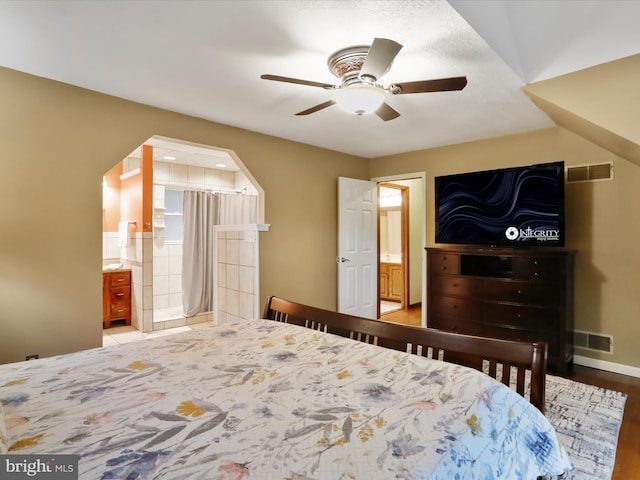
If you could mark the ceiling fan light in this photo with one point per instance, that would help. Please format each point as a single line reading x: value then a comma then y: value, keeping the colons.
x: 360, y: 99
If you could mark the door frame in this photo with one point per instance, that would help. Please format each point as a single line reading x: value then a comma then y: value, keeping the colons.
x: 423, y: 229
x: 404, y: 242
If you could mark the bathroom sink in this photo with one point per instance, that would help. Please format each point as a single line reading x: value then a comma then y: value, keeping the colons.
x: 112, y: 266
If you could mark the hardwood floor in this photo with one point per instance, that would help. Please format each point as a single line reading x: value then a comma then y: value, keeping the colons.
x: 627, y: 464
x: 412, y: 316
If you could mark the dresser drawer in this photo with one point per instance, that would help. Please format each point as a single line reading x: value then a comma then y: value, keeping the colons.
x: 457, y: 307
x: 118, y: 310
x: 120, y: 294
x: 527, y: 318
x: 523, y: 336
x: 455, y: 325
x: 120, y: 278
x: 539, y: 268
x: 462, y: 286
x: 542, y: 293
x: 444, y: 263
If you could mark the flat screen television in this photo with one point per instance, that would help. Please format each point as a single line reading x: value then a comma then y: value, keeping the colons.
x: 517, y: 207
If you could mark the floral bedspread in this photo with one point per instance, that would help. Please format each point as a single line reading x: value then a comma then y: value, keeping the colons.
x: 266, y: 400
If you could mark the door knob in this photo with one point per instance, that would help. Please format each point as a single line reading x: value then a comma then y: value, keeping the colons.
x: 340, y: 259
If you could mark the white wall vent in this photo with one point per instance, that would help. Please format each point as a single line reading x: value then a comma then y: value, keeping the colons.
x: 593, y: 341
x: 590, y: 173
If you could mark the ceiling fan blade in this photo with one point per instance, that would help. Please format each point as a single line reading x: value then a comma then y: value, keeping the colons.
x: 386, y: 113
x: 379, y: 59
x: 437, y: 85
x: 320, y: 106
x: 278, y: 78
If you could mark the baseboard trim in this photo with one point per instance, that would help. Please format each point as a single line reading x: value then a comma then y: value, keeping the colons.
x: 608, y: 366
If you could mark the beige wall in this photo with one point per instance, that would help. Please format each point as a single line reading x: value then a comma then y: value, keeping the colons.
x: 57, y: 143
x: 59, y: 140
x: 601, y: 224
x: 598, y: 103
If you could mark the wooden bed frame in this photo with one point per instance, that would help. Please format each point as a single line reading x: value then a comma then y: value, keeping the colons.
x: 475, y: 352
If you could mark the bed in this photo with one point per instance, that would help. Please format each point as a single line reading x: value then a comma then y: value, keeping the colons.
x: 283, y: 399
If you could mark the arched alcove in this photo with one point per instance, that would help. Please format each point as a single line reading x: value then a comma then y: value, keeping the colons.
x: 144, y: 192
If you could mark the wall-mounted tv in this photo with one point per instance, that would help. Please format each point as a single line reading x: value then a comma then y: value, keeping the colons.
x: 517, y: 207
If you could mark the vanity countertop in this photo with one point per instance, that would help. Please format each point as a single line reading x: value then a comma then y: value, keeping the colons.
x: 389, y: 258
x: 115, y: 268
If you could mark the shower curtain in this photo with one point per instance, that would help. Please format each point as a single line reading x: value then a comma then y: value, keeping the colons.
x: 201, y: 211
x: 236, y: 208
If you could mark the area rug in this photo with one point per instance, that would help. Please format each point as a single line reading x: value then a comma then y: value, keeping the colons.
x: 587, y: 420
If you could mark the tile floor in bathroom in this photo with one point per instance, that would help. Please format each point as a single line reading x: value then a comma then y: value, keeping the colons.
x: 386, y: 306
x: 125, y: 334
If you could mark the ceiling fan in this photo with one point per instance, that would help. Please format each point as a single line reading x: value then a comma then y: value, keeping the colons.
x: 359, y: 70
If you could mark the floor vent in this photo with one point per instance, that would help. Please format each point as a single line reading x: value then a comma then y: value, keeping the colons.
x: 593, y: 341
x: 590, y: 173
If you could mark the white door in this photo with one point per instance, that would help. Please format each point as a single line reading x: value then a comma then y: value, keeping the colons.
x: 357, y: 247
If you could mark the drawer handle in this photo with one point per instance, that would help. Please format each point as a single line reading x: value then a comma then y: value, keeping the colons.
x: 535, y: 274
x: 444, y: 268
x: 519, y: 292
x: 455, y: 285
x: 120, y: 294
x: 454, y: 306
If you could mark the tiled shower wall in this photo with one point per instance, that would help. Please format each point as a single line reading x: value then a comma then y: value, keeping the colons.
x: 167, y: 266
x: 167, y: 256
x: 237, y: 280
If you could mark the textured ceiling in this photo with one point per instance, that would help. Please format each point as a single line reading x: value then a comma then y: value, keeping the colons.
x: 205, y: 58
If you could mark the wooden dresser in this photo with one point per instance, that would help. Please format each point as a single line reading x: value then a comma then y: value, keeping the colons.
x: 116, y: 297
x: 513, y: 294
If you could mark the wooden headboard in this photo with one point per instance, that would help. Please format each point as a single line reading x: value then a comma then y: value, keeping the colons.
x: 485, y: 354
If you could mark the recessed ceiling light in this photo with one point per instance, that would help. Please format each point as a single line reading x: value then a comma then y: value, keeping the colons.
x: 169, y: 157
x: 221, y: 165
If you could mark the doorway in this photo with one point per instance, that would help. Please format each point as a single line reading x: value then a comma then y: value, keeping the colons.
x: 416, y: 231
x: 393, y: 242
x: 154, y: 256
